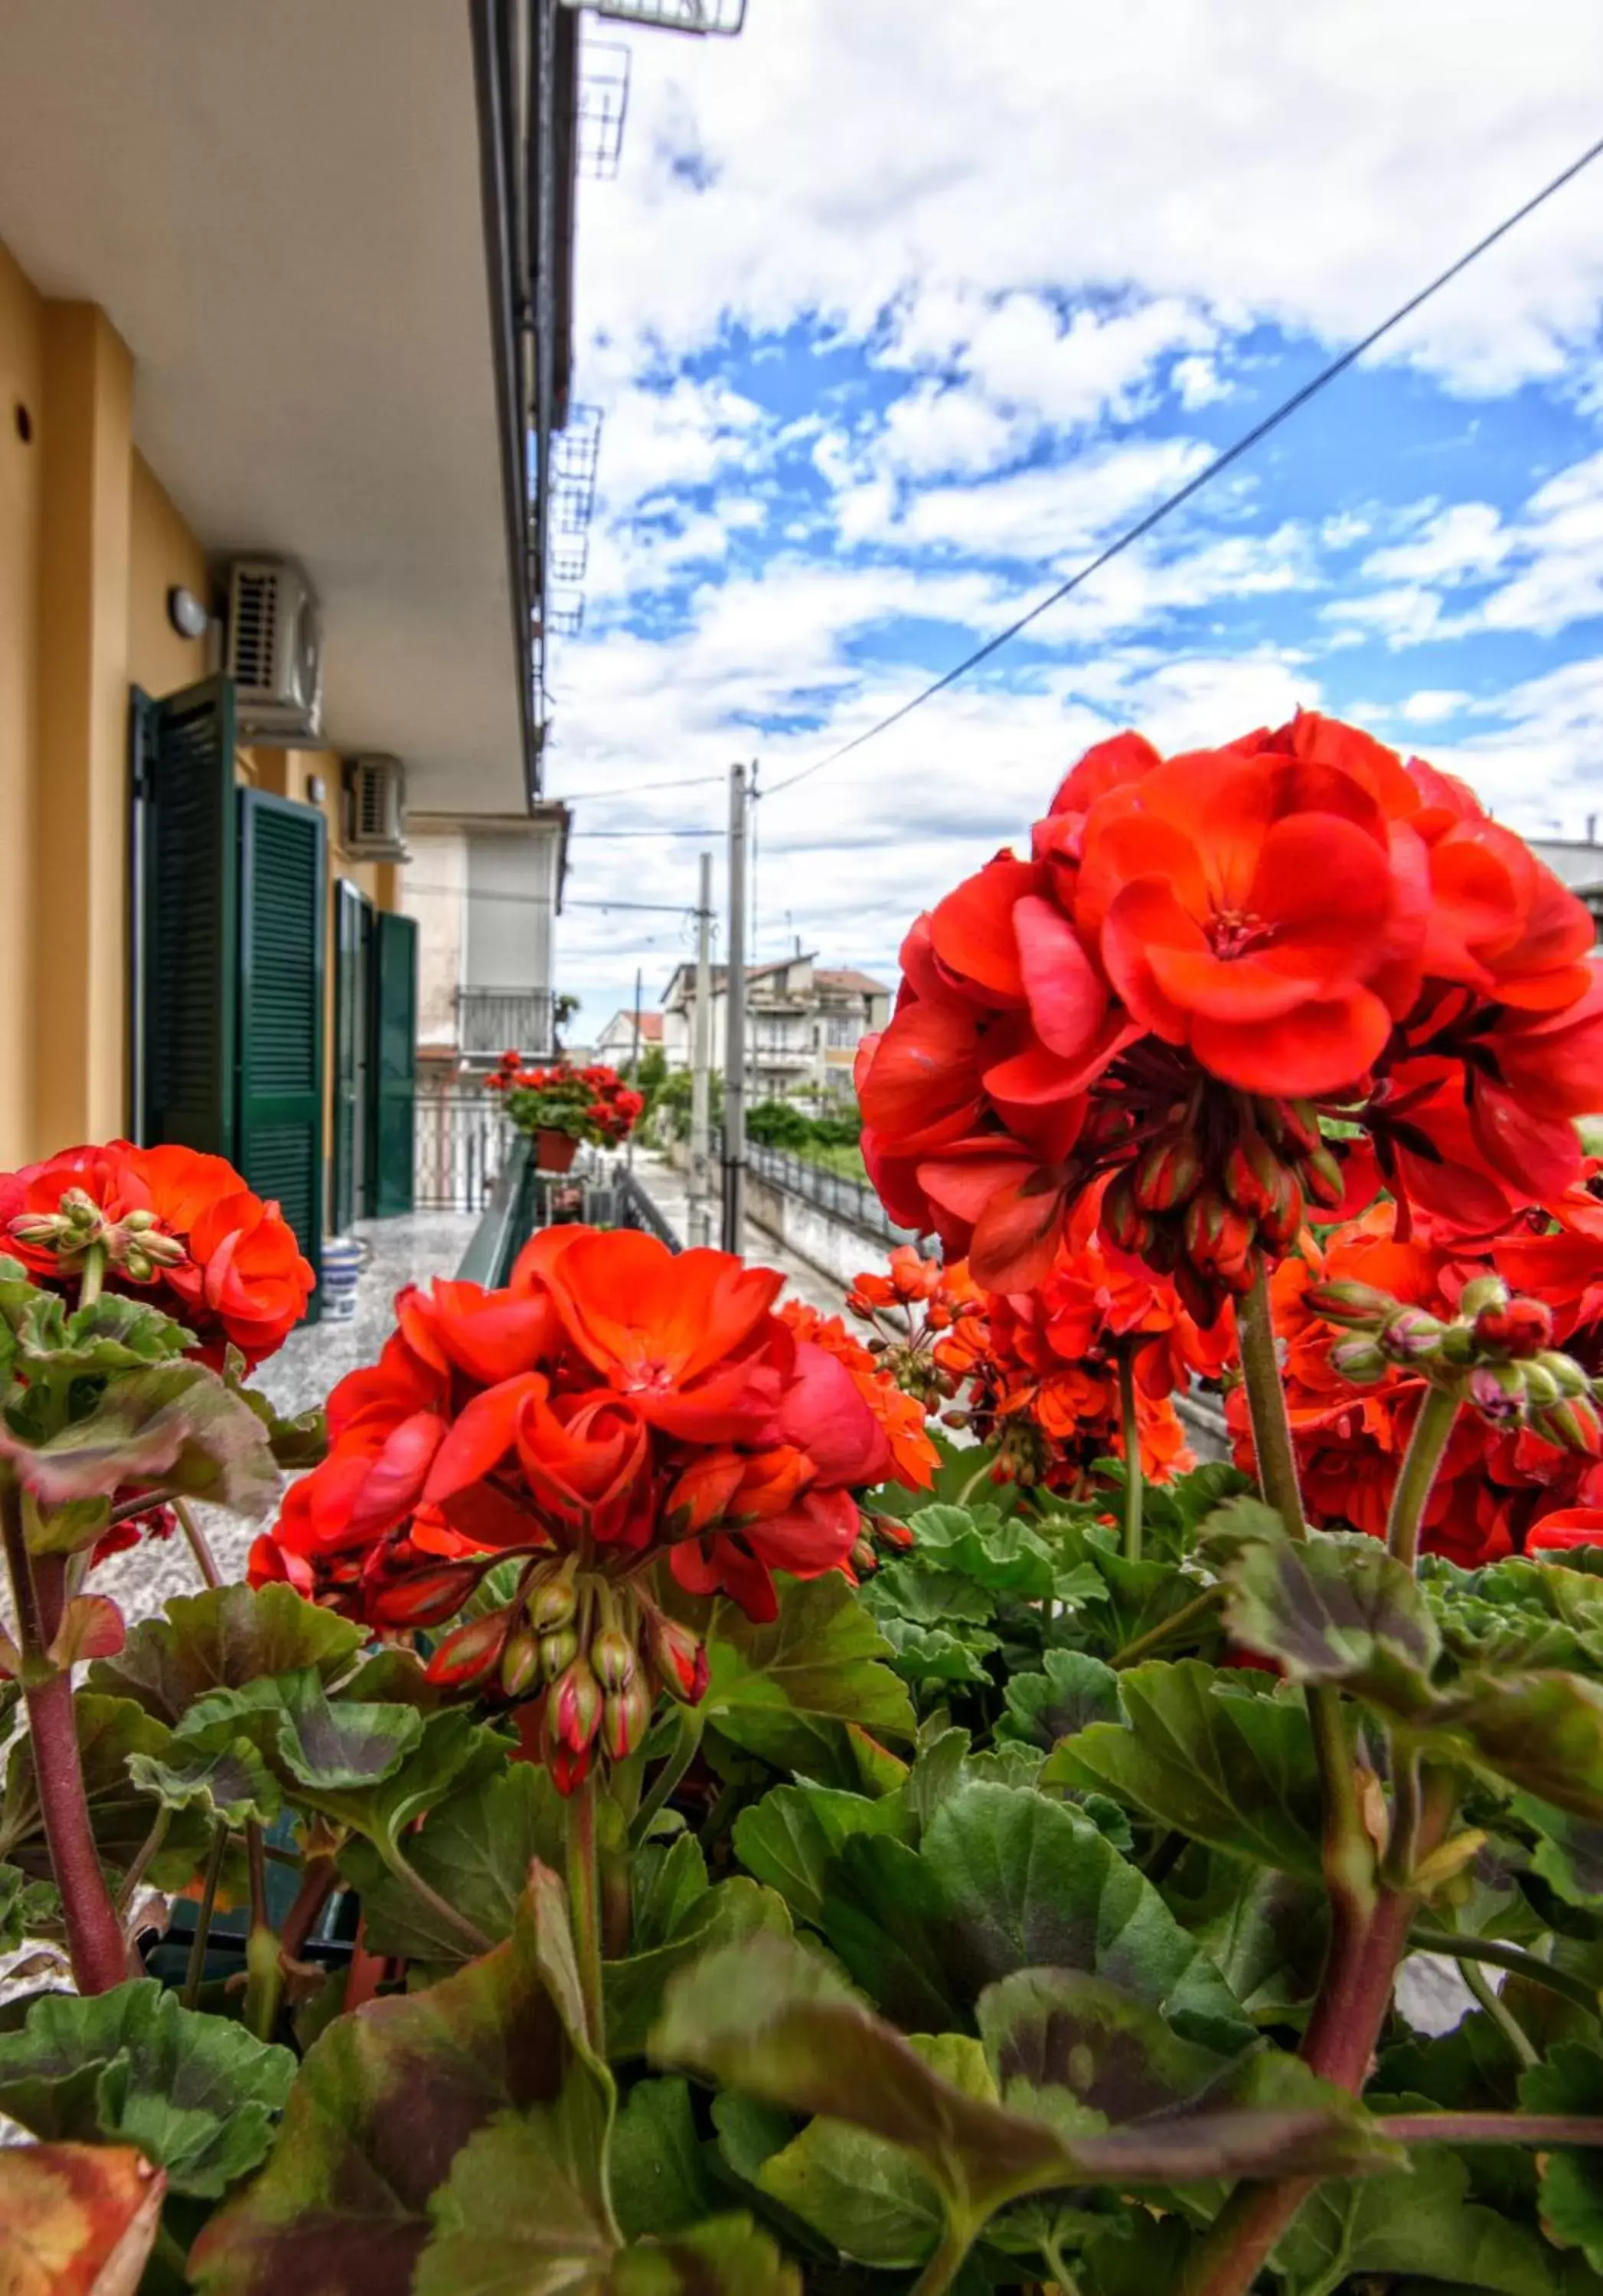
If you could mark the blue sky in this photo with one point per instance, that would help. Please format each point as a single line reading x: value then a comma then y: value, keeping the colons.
x: 898, y: 313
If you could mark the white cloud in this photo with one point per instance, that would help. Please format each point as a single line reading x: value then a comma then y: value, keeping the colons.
x: 1466, y: 544
x: 1431, y: 704
x: 1199, y: 382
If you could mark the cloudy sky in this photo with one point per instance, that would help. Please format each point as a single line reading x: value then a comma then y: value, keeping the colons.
x: 900, y: 309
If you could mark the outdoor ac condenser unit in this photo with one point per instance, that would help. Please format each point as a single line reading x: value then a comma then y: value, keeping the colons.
x: 275, y: 651
x: 376, y: 817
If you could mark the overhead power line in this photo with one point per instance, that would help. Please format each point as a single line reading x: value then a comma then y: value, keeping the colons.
x: 1232, y: 453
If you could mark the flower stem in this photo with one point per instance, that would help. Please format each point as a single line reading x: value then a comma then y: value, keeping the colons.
x: 1266, y: 1407
x: 1528, y: 1965
x: 1508, y: 2024
x: 402, y: 1867
x: 317, y: 1887
x: 1201, y: 1606
x: 92, y: 1274
x: 1438, y: 1414
x: 203, y: 1913
x: 205, y: 1561
x: 974, y: 1480
x: 584, y: 1906
x: 679, y: 1758
x: 947, y: 2262
x: 1131, y: 1435
x: 95, y: 1944
x: 136, y: 1872
x: 264, y: 1971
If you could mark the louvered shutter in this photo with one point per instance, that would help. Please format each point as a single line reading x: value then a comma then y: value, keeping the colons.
x: 283, y: 911
x: 350, y: 1049
x: 394, y: 1060
x: 187, y: 925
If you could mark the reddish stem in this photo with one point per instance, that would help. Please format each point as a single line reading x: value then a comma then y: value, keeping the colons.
x: 95, y: 1944
x: 317, y: 1887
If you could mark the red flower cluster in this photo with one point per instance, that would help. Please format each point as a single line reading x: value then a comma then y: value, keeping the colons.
x: 168, y: 1223
x: 589, y: 1103
x: 613, y: 1405
x: 1042, y: 1365
x: 1500, y: 1489
x: 1199, y: 949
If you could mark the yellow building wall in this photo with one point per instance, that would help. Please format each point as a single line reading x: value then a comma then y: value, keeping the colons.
x: 22, y: 404
x: 162, y: 555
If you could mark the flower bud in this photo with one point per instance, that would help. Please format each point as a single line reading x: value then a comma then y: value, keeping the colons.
x: 1542, y: 1388
x: 39, y: 1228
x: 520, y: 1663
x: 468, y: 1654
x: 558, y: 1652
x: 573, y: 1706
x: 1410, y: 1335
x: 1122, y: 1219
x: 612, y: 1660
x: 1573, y: 1424
x: 1300, y: 1122
x: 625, y: 1719
x: 417, y: 1598
x: 568, y: 1770
x: 863, y: 1560
x: 1252, y: 1174
x: 1358, y: 1306
x: 1167, y: 1176
x: 1522, y: 1326
x: 678, y: 1657
x: 1220, y: 1239
x: 1360, y: 1359
x: 1565, y: 1372
x: 1481, y: 1291
x: 1498, y: 1393
x: 1280, y: 1222
x: 1321, y: 1174
x: 551, y: 1603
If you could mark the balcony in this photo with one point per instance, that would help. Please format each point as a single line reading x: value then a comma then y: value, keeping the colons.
x: 491, y: 1021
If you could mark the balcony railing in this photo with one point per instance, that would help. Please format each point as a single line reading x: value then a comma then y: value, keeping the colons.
x: 495, y: 1020
x: 461, y: 1143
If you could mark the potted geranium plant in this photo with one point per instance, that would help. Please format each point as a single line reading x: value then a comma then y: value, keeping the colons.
x: 789, y: 1851
x: 563, y: 1108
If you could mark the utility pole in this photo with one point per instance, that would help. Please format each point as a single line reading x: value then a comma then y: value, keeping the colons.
x: 701, y: 1062
x: 634, y: 1074
x: 734, y: 1034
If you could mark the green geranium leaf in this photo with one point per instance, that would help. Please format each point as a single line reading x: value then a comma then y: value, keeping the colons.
x: 475, y: 1852
x: 174, y: 1426
x: 1568, y: 1853
x: 634, y: 1986
x: 659, y: 2178
x: 224, y: 1639
x: 317, y: 1746
x: 384, y: 2104
x: 1516, y: 1616
x: 295, y: 1443
x: 112, y: 1333
x: 1571, y: 2081
x: 1541, y: 1732
x: 872, y: 2199
x: 28, y: 1909
x: 67, y: 1527
x: 927, y: 1595
x: 1214, y: 1755
x: 818, y: 1661
x: 935, y: 1654
x: 1268, y: 1941
x: 666, y: 1877
x: 1004, y: 1557
x: 727, y: 2257
x: 1422, y: 2224
x: 1076, y: 2051
x: 233, y: 1784
x: 1332, y: 1608
x: 1007, y: 1880
x: 198, y: 2094
x: 788, y: 1838
x: 110, y: 1730
x: 1072, y: 1691
x: 772, y: 2019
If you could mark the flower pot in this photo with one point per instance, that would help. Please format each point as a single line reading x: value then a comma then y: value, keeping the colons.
x: 553, y: 1152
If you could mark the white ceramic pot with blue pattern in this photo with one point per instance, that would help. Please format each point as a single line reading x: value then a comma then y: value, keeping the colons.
x: 343, y: 1260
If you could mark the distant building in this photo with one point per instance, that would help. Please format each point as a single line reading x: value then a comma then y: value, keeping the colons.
x: 615, y: 1045
x: 1577, y: 863
x: 804, y: 1023
x: 485, y: 893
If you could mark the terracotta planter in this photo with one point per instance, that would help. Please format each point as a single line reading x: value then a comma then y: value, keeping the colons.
x: 553, y: 1152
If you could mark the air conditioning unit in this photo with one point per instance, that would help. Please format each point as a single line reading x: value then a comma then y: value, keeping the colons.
x: 275, y: 651
x: 375, y: 821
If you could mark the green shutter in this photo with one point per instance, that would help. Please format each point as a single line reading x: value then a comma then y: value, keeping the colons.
x: 394, y: 1060
x: 350, y: 1030
x: 282, y: 915
x: 188, y: 924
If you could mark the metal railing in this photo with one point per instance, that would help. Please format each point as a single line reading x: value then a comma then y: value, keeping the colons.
x: 505, y: 1021
x: 852, y: 1201
x: 461, y: 1142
